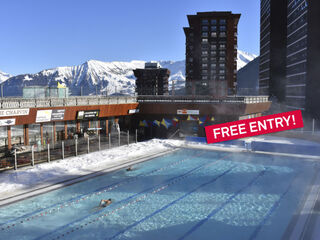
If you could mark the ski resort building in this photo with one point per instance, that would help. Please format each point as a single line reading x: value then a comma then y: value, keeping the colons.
x: 211, y: 53
x: 152, y: 80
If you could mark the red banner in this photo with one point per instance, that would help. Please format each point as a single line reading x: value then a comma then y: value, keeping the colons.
x: 254, y: 126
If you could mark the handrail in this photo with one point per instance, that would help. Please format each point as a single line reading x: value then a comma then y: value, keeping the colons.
x: 6, y: 103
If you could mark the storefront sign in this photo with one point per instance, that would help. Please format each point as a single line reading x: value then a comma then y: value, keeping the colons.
x: 88, y: 114
x: 188, y: 112
x: 43, y: 116
x: 14, y: 112
x: 7, y: 122
x: 57, y: 114
x: 133, y: 111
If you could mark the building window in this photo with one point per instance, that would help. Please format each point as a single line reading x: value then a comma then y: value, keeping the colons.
x: 222, y: 65
x: 204, y: 77
x: 222, y: 77
x: 213, y: 21
x: 222, y: 46
x: 222, y: 59
x: 222, y: 22
x: 191, y: 47
x: 213, y: 65
x: 222, y: 53
x: 190, y: 34
x: 205, y: 28
x: 204, y: 65
x: 191, y: 59
x: 204, y: 52
x: 204, y: 72
x: 205, y: 40
x: 213, y: 28
x: 205, y: 21
x: 204, y: 34
x: 204, y: 59
x: 222, y: 71
x: 213, y: 72
x: 213, y: 53
x: 223, y: 28
x: 222, y: 34
x: 204, y: 83
x: 213, y: 46
x: 214, y: 34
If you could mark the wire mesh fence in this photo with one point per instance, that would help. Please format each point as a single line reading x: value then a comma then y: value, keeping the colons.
x: 30, y: 155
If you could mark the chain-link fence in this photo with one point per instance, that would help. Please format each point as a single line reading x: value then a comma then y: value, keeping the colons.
x: 20, y: 156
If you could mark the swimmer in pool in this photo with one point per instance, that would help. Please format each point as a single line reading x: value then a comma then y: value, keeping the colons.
x: 104, y: 203
x: 129, y: 169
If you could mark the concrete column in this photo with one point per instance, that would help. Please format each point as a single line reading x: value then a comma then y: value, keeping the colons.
x: 65, y: 130
x: 9, y: 137
x: 78, y: 127
x: 41, y: 133
x: 54, y: 132
x: 26, y: 134
x: 107, y: 127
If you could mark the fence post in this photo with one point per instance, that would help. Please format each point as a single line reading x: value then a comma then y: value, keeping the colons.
x: 88, y: 144
x: 109, y: 141
x: 15, y: 159
x: 76, y: 140
x: 99, y: 142
x: 128, y: 133
x: 136, y: 135
x: 48, y: 152
x: 119, y: 138
x: 62, y: 149
x: 32, y: 155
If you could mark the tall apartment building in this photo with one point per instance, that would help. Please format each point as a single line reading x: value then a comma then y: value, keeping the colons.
x: 272, y: 66
x: 211, y: 53
x: 300, y: 86
x: 152, y: 80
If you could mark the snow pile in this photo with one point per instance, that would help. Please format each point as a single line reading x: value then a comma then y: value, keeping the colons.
x: 48, y: 173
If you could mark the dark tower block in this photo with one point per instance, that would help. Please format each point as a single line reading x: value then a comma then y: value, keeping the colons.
x: 152, y: 80
x: 211, y: 53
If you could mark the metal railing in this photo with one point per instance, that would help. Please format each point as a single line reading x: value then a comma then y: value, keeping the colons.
x: 6, y: 103
x: 202, y: 99
x: 36, y: 154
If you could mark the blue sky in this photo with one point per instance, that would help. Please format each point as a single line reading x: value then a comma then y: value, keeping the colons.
x: 41, y: 34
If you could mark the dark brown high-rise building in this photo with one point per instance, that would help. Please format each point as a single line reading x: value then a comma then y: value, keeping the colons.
x: 152, y: 80
x: 211, y: 53
x: 290, y: 54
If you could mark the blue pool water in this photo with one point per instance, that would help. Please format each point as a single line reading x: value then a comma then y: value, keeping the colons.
x: 189, y: 194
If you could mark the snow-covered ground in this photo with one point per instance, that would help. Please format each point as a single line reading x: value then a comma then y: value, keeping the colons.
x: 46, y: 174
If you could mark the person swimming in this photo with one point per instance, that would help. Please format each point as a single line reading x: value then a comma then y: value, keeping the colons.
x: 129, y: 169
x: 104, y: 203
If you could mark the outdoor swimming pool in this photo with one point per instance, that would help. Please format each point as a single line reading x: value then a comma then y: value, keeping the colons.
x: 188, y: 194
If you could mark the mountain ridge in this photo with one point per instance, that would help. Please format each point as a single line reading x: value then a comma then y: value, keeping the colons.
x: 101, y: 77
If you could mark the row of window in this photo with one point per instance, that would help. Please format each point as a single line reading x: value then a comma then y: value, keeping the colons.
x: 214, y: 28
x: 213, y: 53
x: 213, y: 46
x: 213, y: 65
x: 220, y: 77
x: 214, y: 34
x: 213, y: 21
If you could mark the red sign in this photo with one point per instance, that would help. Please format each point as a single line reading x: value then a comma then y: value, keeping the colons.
x: 254, y: 126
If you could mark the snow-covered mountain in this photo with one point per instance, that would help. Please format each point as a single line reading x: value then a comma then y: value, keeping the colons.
x: 101, y: 77
x: 4, y: 76
x: 243, y: 58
